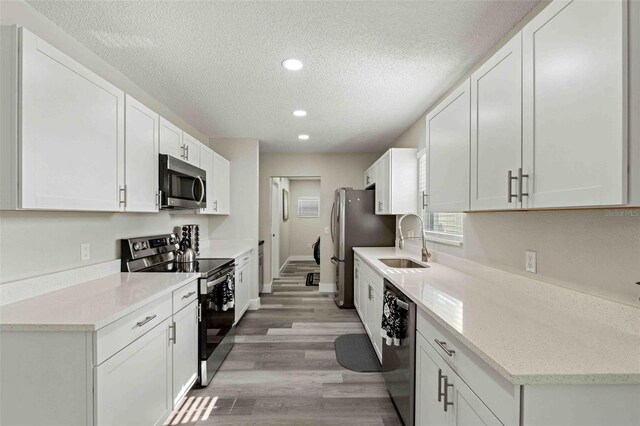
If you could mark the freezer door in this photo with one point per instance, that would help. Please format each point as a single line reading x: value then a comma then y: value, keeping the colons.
x: 339, y: 245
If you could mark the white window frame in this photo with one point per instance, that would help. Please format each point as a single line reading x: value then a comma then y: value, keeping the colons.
x: 302, y: 200
x: 422, y: 194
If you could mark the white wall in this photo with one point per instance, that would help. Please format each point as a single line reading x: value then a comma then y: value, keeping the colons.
x: 304, y: 230
x: 588, y: 250
x: 242, y: 222
x: 334, y: 171
x: 36, y: 243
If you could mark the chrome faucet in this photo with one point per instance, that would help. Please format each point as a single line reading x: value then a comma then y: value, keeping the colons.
x: 425, y: 253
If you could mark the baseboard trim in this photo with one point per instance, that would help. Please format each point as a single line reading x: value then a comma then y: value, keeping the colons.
x: 254, y: 304
x: 327, y: 288
x: 267, y: 288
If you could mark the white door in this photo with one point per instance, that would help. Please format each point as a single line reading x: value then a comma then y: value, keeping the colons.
x: 72, y: 133
x: 221, y: 182
x: 207, y: 164
x: 171, y: 140
x: 430, y: 372
x: 141, y: 157
x: 275, y: 233
x: 448, y: 145
x: 133, y: 387
x: 575, y: 117
x: 496, y: 139
x: 191, y: 149
x: 185, y: 350
x: 383, y: 184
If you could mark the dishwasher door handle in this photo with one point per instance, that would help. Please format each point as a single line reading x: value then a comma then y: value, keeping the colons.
x: 402, y: 305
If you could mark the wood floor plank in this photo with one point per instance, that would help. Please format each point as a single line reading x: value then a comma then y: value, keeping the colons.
x: 283, y: 368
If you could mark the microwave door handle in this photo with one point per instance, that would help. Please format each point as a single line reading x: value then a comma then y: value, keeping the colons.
x: 193, y: 189
x: 202, y: 189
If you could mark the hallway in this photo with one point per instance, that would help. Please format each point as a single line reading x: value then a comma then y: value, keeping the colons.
x: 283, y: 369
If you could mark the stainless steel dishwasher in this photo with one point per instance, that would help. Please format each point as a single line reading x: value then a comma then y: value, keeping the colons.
x: 399, y: 362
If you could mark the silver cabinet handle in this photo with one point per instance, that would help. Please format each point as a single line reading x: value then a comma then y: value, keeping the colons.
x: 186, y: 148
x: 447, y: 385
x: 199, y: 311
x: 379, y: 206
x: 123, y: 195
x: 424, y: 199
x: 443, y: 345
x: 158, y: 198
x: 521, y: 184
x: 188, y: 295
x: 146, y: 320
x: 440, y: 377
x: 172, y: 332
x: 246, y: 258
x: 368, y: 179
x: 183, y: 148
x: 215, y: 205
x: 510, y: 179
x: 369, y: 292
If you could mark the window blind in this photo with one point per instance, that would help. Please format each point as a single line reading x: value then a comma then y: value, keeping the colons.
x: 308, y: 207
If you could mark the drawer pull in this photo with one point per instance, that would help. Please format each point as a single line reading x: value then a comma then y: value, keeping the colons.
x: 246, y: 258
x: 447, y: 385
x: 188, y: 295
x: 146, y: 320
x: 443, y: 345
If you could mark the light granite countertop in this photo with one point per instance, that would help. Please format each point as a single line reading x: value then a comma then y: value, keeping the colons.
x: 530, y: 331
x: 225, y: 248
x: 91, y: 305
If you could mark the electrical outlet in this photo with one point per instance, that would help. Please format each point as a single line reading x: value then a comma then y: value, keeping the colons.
x: 531, y: 262
x: 326, y: 230
x: 85, y: 251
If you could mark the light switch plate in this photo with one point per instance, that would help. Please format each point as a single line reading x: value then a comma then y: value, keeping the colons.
x: 85, y: 251
x: 531, y: 262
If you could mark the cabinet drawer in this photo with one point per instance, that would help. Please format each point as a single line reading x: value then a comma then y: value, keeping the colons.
x: 117, y: 335
x: 501, y: 396
x: 243, y: 260
x: 185, y: 295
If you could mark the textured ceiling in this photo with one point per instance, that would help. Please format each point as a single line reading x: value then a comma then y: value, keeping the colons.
x: 370, y: 68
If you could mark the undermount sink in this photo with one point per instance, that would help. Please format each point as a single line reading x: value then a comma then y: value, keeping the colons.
x: 402, y: 263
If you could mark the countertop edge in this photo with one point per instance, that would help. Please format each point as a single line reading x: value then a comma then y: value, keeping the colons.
x: 516, y: 379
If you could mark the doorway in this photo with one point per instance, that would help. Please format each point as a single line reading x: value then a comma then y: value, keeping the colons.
x: 295, y: 221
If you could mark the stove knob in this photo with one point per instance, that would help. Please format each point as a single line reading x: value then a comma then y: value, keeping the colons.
x: 145, y: 245
x: 136, y: 246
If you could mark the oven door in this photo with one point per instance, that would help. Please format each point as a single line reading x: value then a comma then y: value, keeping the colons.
x: 182, y: 185
x: 216, y: 328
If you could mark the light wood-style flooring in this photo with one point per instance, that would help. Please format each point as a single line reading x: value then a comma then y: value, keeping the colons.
x: 283, y: 369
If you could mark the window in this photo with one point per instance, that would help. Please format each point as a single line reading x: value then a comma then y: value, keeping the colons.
x: 440, y: 227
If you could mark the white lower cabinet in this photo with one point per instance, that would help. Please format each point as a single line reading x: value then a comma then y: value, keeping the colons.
x: 369, y: 301
x: 133, y: 387
x: 185, y: 350
x: 356, y: 284
x: 243, y: 284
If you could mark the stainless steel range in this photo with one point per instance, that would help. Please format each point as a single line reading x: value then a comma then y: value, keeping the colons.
x: 216, y: 315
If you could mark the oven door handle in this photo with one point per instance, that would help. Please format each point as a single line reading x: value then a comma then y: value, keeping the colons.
x: 216, y: 282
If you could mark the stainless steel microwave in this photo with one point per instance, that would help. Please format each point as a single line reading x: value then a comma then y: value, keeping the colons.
x: 182, y: 185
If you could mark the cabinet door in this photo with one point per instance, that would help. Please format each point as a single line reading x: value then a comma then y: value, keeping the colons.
x: 496, y: 139
x: 242, y: 291
x: 383, y: 184
x: 365, y: 303
x: 191, y: 149
x: 71, y: 134
x: 221, y: 181
x: 171, y: 140
x: 185, y: 350
x: 206, y: 164
x: 133, y: 387
x: 575, y: 105
x: 467, y: 408
x: 448, y: 145
x: 370, y: 177
x: 356, y: 285
x: 141, y: 157
x: 430, y: 369
x: 375, y: 321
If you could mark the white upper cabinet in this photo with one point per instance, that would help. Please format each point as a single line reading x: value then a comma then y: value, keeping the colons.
x: 141, y: 157
x: 575, y: 105
x: 447, y: 161
x: 171, y: 140
x: 370, y: 177
x: 71, y: 135
x: 496, y: 128
x: 191, y: 149
x: 221, y: 182
x: 396, y: 180
x: 206, y: 164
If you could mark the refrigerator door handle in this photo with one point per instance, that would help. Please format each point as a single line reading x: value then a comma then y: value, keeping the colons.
x: 335, y: 260
x: 333, y: 210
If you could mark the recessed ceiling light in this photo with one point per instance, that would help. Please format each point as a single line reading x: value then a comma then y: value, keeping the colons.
x: 303, y: 137
x: 292, y: 64
x: 300, y: 113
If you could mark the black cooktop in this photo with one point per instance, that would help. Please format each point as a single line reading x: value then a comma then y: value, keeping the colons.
x: 205, y: 267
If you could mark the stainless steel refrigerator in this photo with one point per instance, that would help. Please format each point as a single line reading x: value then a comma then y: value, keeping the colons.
x: 355, y: 224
